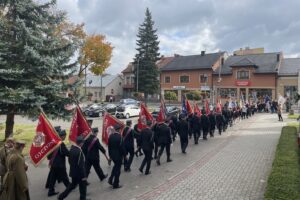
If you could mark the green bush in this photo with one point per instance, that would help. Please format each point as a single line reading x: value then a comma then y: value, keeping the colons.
x: 193, y: 95
x: 169, y: 95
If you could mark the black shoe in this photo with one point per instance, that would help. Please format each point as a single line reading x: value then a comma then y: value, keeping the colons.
x: 141, y: 154
x: 87, y: 183
x: 50, y: 194
x: 59, y: 198
x: 158, y: 162
x: 183, y: 152
x: 104, y: 177
x: 169, y: 160
x: 147, y: 173
x: 136, y: 154
x: 204, y: 138
x: 155, y: 157
x: 117, y: 186
x: 127, y: 170
x: 141, y: 170
x: 110, y: 182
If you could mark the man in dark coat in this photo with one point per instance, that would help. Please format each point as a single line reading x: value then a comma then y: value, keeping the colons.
x: 91, y: 148
x: 77, y: 170
x: 138, y: 152
x: 147, y: 137
x: 183, y: 133
x: 219, y: 121
x: 155, y: 139
x: 164, y: 141
x: 128, y: 141
x: 116, y: 153
x: 212, y: 123
x: 196, y: 127
x: 57, y: 164
x: 204, y: 124
x: 190, y: 125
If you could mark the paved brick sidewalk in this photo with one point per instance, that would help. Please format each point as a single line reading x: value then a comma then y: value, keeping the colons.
x: 237, y: 169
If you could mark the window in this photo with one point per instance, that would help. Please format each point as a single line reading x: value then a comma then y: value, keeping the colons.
x: 167, y: 79
x: 132, y: 80
x: 243, y: 75
x: 227, y: 92
x: 203, y: 78
x: 184, y: 79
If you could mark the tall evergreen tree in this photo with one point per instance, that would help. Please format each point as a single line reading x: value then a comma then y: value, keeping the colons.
x: 34, y: 60
x: 145, y: 60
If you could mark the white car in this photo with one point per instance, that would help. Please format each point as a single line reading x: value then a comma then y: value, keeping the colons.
x: 126, y: 111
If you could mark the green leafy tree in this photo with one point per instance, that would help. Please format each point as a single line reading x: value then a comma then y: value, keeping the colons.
x: 171, y: 96
x: 147, y: 74
x: 34, y: 60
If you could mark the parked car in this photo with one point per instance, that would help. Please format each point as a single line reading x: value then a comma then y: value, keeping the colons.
x: 126, y: 111
x: 171, y: 111
x: 91, y: 108
x: 129, y: 102
x: 110, y: 108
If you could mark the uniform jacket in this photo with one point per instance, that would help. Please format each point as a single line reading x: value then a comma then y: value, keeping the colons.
x: 147, y: 137
x: 196, y: 123
x: 164, y: 134
x: 115, y: 147
x: 204, y: 121
x: 128, y: 137
x: 77, y: 163
x: 93, y: 153
x: 60, y: 159
x: 183, y: 129
x: 212, y: 120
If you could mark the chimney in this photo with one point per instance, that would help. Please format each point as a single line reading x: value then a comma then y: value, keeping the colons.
x: 278, y: 57
x: 202, y: 53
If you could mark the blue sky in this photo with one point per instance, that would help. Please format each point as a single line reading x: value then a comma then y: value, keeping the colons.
x: 190, y: 26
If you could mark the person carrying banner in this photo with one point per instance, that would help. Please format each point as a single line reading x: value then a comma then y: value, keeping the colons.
x: 57, y: 164
x: 15, y: 183
x: 4, y: 152
x: 128, y: 141
x: 164, y: 141
x: 147, y: 139
x: 91, y: 148
x: 77, y: 170
x: 183, y: 132
x: 116, y: 153
x: 204, y: 124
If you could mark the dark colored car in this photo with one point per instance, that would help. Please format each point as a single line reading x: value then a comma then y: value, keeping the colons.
x: 90, y: 108
x: 110, y: 108
x: 171, y: 111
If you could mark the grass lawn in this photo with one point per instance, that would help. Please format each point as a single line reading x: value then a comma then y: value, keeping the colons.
x: 284, y: 180
x: 294, y: 116
x: 24, y: 132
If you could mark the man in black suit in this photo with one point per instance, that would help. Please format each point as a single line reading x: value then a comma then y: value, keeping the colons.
x: 91, y: 148
x: 164, y: 141
x: 183, y: 132
x: 77, y: 170
x: 196, y: 127
x: 147, y: 137
x: 128, y: 140
x: 116, y: 153
x: 212, y: 123
x: 204, y: 124
x: 57, y: 164
x: 155, y: 138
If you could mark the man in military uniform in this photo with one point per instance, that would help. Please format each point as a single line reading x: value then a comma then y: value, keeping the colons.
x: 116, y: 153
x: 196, y: 127
x: 155, y: 138
x: 204, y: 124
x: 128, y: 141
x: 164, y: 141
x: 91, y: 148
x: 138, y: 152
x: 15, y: 183
x: 57, y: 163
x: 77, y: 170
x: 4, y: 152
x: 219, y: 121
x: 147, y: 139
x: 212, y: 123
x: 183, y: 132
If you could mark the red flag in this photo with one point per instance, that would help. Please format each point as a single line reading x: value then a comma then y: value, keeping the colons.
x: 144, y: 116
x: 197, y: 109
x: 107, y: 128
x: 162, y: 115
x: 219, y: 107
x: 79, y: 126
x: 207, y: 107
x: 189, y: 107
x: 44, y: 142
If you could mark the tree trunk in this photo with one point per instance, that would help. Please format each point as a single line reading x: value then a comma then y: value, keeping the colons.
x: 10, y: 121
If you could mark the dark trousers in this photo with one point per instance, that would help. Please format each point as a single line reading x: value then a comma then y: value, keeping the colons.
x: 280, y: 117
x: 115, y: 173
x: 147, y: 160
x: 155, y: 149
x: 219, y: 126
x: 184, y: 141
x: 57, y: 174
x: 162, y: 148
x: 127, y: 163
x: 197, y: 134
x: 205, y: 132
x: 96, y: 165
x: 82, y: 189
x: 212, y: 131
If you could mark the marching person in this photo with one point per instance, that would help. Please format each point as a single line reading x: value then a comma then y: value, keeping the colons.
x: 116, y: 153
x: 204, y: 124
x: 164, y: 141
x: 4, y: 152
x: 57, y: 164
x: 212, y: 123
x: 91, y: 148
x: 147, y: 137
x: 183, y: 132
x: 279, y: 112
x: 128, y: 141
x: 155, y: 138
x: 196, y: 127
x: 138, y: 152
x: 77, y: 170
x: 219, y: 121
x: 15, y: 183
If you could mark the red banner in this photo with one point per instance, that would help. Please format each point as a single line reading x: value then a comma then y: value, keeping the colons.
x: 207, y: 107
x: 219, y: 108
x: 162, y: 115
x: 108, y: 126
x: 144, y: 116
x: 242, y: 83
x: 44, y: 142
x: 189, y: 107
x: 79, y: 126
x: 197, y: 109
